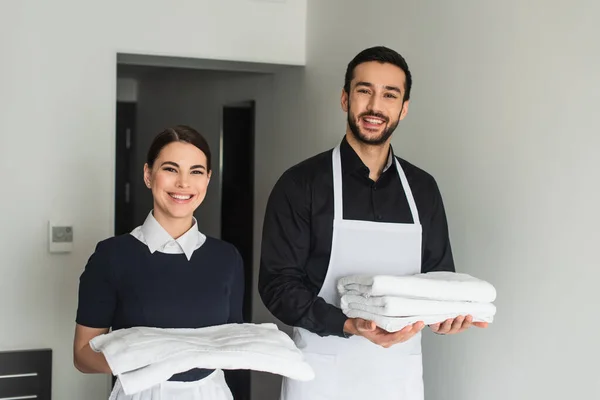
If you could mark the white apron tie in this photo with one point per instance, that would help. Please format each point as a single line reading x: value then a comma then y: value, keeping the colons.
x: 355, y: 368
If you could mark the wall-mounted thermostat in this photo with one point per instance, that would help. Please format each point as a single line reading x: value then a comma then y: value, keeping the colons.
x: 60, y: 237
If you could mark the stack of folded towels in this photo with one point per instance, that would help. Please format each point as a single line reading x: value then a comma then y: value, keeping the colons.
x: 394, y: 302
x: 142, y: 357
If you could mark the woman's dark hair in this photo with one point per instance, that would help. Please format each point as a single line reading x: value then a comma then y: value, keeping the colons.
x: 383, y: 55
x: 179, y: 133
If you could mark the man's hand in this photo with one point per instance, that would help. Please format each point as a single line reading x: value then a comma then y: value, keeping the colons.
x: 381, y: 337
x: 456, y: 325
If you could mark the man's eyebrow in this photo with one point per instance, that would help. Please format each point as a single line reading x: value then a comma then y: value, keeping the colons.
x: 387, y: 87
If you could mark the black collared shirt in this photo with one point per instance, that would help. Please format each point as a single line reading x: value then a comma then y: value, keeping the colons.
x: 298, y: 229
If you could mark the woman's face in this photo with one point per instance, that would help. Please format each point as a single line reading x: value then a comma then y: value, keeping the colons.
x: 178, y: 179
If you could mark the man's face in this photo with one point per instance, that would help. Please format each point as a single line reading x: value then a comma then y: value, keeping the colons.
x: 374, y: 104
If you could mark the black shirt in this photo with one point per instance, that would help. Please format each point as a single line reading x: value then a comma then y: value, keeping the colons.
x: 124, y: 285
x: 298, y: 229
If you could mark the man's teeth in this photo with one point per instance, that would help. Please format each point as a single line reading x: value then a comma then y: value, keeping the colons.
x: 374, y: 121
x: 180, y: 197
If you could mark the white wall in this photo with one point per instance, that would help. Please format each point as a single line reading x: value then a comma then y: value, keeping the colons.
x: 58, y: 93
x: 503, y: 115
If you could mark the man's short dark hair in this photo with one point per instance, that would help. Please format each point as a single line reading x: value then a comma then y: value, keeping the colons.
x: 383, y: 55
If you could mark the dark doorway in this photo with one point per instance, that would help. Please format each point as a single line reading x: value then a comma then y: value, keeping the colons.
x: 124, y: 201
x: 237, y: 208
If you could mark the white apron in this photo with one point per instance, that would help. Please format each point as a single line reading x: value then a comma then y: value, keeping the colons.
x: 355, y: 368
x: 213, y: 387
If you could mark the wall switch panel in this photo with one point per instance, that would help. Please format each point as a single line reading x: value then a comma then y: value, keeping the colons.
x: 60, y: 237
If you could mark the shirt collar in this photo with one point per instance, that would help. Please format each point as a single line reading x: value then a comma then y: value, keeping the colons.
x: 351, y: 162
x: 157, y: 237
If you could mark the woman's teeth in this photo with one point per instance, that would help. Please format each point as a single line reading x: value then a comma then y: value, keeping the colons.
x: 181, y: 197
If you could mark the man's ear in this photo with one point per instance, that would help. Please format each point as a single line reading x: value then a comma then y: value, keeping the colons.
x: 404, y: 109
x: 344, y: 101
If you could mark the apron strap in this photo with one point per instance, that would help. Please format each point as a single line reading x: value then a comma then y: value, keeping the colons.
x: 408, y: 193
x: 338, y: 207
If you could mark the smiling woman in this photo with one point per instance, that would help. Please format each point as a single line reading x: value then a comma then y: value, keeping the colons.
x: 165, y: 273
x: 178, y: 172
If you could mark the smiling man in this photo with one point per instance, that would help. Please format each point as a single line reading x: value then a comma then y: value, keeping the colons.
x: 355, y: 209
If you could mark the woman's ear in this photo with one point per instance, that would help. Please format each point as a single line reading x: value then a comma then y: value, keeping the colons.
x: 147, y: 176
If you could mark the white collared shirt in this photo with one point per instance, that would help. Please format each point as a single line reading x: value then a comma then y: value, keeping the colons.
x: 153, y: 235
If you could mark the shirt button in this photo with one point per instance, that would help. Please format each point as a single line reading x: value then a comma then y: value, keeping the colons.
x: 379, y: 218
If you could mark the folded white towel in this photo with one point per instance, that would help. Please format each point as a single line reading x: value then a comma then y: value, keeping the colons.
x: 394, y: 324
x: 143, y: 357
x: 439, y: 285
x: 392, y: 306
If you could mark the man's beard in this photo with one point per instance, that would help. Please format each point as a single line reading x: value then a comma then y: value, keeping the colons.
x: 385, y: 135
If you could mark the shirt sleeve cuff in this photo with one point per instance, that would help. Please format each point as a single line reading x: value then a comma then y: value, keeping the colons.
x: 335, y: 323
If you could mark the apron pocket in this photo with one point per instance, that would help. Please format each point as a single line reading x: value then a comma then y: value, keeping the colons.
x: 325, y: 384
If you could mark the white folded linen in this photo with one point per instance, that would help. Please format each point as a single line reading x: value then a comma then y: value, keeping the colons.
x: 438, y: 285
x: 392, y: 306
x: 394, y: 324
x: 142, y: 356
